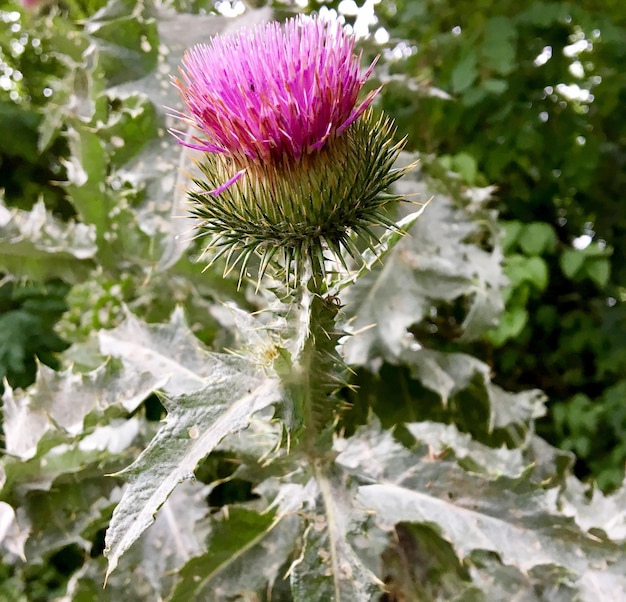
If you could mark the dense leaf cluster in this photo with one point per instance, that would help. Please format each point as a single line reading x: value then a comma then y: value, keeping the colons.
x: 525, y: 97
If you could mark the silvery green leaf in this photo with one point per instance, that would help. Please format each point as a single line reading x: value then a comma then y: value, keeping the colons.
x: 170, y: 352
x: 447, y: 374
x: 376, y: 255
x: 513, y: 518
x: 330, y: 565
x: 591, y: 509
x: 472, y: 455
x: 37, y: 245
x: 195, y: 424
x: 62, y: 401
x: 434, y: 263
x: 163, y: 167
x: 12, y: 533
x: 246, y: 550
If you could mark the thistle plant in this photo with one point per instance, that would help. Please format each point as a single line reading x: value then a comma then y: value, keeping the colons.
x: 294, y: 172
x: 260, y: 482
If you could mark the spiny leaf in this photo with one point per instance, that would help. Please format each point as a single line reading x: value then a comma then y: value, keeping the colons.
x: 330, y: 566
x: 169, y: 352
x: 496, y: 581
x: 177, y: 536
x: 447, y: 374
x: 195, y: 424
x: 107, y: 449
x: 375, y: 255
x: 593, y: 510
x: 86, y: 500
x: 524, y: 530
x: 513, y: 518
x: 245, y: 552
x: 37, y: 245
x: 161, y: 169
x: 62, y: 400
x: 444, y: 373
x: 473, y: 456
x: 12, y: 534
x: 434, y: 263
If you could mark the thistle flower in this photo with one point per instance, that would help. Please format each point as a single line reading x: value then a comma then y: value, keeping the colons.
x: 292, y: 163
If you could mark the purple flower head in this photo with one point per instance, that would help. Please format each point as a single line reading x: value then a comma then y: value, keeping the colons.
x: 273, y: 93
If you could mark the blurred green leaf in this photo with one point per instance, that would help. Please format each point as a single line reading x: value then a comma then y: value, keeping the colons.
x: 599, y: 270
x: 127, y: 40
x: 537, y: 238
x: 512, y: 230
x: 499, y: 45
x: 571, y: 262
x: 510, y: 326
x: 465, y: 72
x: 465, y: 164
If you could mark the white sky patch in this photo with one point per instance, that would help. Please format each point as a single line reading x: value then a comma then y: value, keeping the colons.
x: 230, y: 9
x: 582, y: 242
x: 348, y: 7
x: 574, y: 92
x: 364, y: 18
x: 381, y: 36
x: 544, y: 56
x: 329, y: 14
x: 577, y: 47
x: 576, y: 69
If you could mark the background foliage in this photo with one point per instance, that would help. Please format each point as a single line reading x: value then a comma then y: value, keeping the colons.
x: 511, y: 284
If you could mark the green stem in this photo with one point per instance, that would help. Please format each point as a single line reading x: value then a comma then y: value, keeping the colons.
x: 303, y: 361
x: 321, y: 477
x: 315, y: 366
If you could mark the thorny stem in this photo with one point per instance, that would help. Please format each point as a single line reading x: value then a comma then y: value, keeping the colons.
x: 329, y: 507
x: 302, y: 360
x: 315, y: 364
x: 314, y: 376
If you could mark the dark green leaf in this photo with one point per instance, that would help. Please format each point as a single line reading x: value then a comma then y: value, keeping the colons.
x: 499, y: 45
